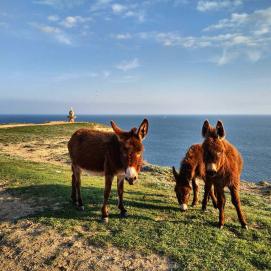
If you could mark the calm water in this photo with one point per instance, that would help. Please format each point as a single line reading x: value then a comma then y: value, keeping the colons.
x: 170, y: 136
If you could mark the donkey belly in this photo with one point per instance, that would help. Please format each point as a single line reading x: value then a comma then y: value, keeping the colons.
x: 93, y: 173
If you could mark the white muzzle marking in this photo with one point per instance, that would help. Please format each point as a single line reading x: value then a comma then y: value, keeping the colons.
x: 130, y: 173
x: 211, y: 167
x: 183, y: 207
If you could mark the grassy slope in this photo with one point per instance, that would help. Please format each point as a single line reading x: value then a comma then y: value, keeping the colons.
x: 155, y: 223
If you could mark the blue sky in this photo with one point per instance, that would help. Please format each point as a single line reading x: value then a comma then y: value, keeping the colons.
x: 135, y: 57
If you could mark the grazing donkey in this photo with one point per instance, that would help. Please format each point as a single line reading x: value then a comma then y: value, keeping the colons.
x: 223, y: 164
x: 107, y: 154
x: 192, y: 167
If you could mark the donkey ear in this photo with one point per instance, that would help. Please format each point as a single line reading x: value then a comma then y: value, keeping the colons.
x: 115, y: 128
x: 220, y: 130
x: 205, y: 128
x: 175, y: 173
x: 143, y: 129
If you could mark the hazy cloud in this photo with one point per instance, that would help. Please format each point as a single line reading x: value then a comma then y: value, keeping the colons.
x: 128, y: 65
x: 55, y: 32
x: 72, y: 21
x: 53, y: 18
x: 60, y: 4
x: 204, y: 5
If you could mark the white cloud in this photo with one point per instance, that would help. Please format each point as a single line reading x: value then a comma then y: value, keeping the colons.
x: 129, y: 10
x: 62, y: 38
x: 55, y: 32
x: 100, y: 5
x: 123, y: 36
x: 204, y: 5
x: 118, y: 8
x: 139, y: 15
x: 48, y: 29
x: 259, y: 21
x: 235, y: 21
x: 128, y: 65
x: 226, y: 57
x: 60, y: 4
x: 234, y: 45
x: 53, y: 18
x: 72, y: 21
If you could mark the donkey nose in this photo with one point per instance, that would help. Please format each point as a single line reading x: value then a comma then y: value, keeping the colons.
x: 130, y: 180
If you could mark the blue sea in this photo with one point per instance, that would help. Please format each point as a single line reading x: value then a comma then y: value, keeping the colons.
x: 170, y: 136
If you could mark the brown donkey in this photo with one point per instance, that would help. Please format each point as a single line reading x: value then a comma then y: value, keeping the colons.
x: 192, y: 167
x: 107, y: 154
x: 223, y: 164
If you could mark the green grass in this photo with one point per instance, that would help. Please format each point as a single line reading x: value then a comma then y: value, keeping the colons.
x: 154, y: 224
x: 31, y: 133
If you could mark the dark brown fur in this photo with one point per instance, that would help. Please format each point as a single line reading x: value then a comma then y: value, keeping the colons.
x: 223, y: 164
x: 107, y: 154
x: 192, y: 167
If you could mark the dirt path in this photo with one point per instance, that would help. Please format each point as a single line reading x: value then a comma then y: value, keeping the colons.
x: 31, y: 246
x: 32, y: 124
x: 52, y: 151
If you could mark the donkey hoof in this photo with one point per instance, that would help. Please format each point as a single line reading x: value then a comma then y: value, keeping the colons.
x: 81, y: 208
x: 245, y: 227
x: 221, y: 227
x: 105, y: 220
x: 123, y: 214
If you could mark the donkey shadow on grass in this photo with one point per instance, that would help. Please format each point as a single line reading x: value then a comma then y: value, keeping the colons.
x: 53, y: 201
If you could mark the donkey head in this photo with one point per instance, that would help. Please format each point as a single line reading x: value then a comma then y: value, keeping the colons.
x: 131, y: 149
x: 213, y: 147
x: 182, y: 187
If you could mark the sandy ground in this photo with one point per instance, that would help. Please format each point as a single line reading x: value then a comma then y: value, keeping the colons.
x: 52, y: 151
x: 32, y: 124
x: 31, y: 246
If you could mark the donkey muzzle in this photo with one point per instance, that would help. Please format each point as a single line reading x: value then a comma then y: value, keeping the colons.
x: 131, y: 175
x: 131, y: 181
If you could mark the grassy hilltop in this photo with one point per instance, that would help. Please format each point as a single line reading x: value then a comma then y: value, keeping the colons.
x: 41, y: 230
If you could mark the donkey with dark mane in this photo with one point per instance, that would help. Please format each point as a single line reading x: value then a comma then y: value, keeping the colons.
x: 108, y: 154
x: 192, y: 168
x: 223, y: 165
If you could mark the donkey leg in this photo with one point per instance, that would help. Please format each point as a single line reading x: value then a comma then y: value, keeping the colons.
x: 195, y: 192
x: 235, y: 198
x: 73, y: 194
x: 107, y: 190
x: 207, y: 188
x: 213, y: 197
x: 221, y: 200
x: 120, y: 184
x: 77, y: 178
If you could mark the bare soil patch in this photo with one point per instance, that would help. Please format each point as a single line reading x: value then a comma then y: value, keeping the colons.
x: 52, y: 151
x: 31, y: 246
